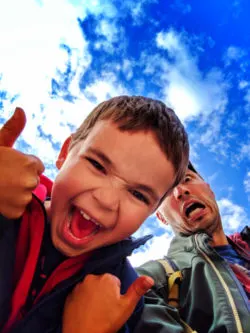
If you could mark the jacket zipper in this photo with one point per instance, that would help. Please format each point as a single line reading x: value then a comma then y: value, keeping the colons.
x: 225, y: 287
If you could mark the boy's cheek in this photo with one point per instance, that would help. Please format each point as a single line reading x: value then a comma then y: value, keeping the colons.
x: 128, y: 231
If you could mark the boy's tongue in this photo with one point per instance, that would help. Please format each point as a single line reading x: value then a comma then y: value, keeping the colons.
x: 80, y: 227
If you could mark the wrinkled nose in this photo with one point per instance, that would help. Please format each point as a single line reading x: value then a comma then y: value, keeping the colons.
x: 180, y: 192
x: 107, y: 198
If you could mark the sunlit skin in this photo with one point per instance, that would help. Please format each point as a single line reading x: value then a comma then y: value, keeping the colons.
x: 191, y: 207
x: 111, y: 177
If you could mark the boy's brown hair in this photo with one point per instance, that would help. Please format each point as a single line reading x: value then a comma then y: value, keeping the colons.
x: 137, y: 113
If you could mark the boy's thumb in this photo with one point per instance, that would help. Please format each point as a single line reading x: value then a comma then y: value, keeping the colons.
x: 137, y: 289
x: 12, y: 128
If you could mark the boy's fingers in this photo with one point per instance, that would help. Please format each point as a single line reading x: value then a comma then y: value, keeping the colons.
x: 12, y: 128
x: 39, y: 166
x: 137, y: 289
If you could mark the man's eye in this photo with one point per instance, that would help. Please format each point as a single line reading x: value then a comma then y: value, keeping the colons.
x: 187, y: 179
x: 138, y: 195
x: 96, y: 165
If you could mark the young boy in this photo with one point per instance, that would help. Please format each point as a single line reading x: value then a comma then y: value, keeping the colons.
x: 108, y: 184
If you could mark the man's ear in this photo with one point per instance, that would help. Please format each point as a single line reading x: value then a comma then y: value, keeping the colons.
x: 63, y: 153
x: 161, y: 217
x: 211, y: 191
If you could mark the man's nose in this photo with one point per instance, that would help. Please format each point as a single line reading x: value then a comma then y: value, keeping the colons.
x: 107, y: 198
x: 180, y: 191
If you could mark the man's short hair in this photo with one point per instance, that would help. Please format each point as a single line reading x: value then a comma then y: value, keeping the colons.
x: 191, y: 167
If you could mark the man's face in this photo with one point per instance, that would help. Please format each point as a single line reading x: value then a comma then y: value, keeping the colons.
x: 107, y: 186
x: 191, y: 207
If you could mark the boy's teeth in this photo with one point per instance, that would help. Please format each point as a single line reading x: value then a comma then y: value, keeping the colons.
x: 85, y: 215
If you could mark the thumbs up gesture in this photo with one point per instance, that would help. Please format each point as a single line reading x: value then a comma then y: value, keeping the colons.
x: 19, y: 173
x: 96, y: 305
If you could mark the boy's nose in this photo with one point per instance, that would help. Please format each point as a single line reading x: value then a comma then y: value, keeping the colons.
x: 180, y: 191
x: 107, y: 198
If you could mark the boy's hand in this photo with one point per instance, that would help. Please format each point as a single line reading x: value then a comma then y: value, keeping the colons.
x: 19, y: 173
x: 96, y: 305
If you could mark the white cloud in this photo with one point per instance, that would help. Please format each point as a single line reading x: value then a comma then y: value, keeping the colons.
x: 105, y: 87
x: 56, y: 119
x: 97, y: 8
x: 233, y: 53
x: 190, y: 92
x: 180, y: 5
x: 211, y: 179
x: 247, y: 184
x: 244, y: 151
x: 233, y: 215
x: 214, y: 129
x: 137, y: 9
x: 243, y: 84
x: 30, y: 43
x: 127, y: 68
x: 30, y: 53
x: 137, y: 12
x: 112, y: 36
x: 200, y: 98
x: 247, y: 98
x: 155, y: 248
x: 108, y: 30
x: 171, y: 42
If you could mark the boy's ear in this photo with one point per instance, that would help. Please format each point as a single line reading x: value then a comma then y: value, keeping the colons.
x: 161, y: 217
x: 63, y: 153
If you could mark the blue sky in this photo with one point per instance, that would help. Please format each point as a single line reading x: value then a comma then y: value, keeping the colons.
x: 59, y: 58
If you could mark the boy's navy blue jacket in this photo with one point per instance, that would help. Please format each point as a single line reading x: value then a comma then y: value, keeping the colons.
x: 46, y: 315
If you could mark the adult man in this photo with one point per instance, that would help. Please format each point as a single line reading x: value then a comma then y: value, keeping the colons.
x: 215, y: 290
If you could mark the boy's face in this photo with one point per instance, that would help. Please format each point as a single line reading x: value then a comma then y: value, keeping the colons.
x: 107, y: 186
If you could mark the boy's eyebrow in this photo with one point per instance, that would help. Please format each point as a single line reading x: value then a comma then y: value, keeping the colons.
x: 101, y: 155
x: 142, y: 187
x: 147, y: 189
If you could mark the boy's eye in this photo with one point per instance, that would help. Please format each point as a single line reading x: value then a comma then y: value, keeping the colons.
x: 138, y: 195
x: 96, y: 165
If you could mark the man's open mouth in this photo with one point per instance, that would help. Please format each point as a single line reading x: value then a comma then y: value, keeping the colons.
x: 194, y: 209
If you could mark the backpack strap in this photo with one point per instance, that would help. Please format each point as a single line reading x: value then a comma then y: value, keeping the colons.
x: 174, y: 279
x: 156, y: 271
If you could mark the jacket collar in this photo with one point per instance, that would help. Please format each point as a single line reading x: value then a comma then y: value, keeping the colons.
x: 184, y: 248
x: 182, y: 243
x: 115, y: 252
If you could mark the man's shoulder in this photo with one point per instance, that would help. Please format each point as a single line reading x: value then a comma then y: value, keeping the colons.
x: 241, y: 240
x: 180, y: 255
x: 159, y: 270
x: 245, y: 234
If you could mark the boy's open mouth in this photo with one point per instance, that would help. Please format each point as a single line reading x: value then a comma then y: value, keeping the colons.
x: 80, y: 227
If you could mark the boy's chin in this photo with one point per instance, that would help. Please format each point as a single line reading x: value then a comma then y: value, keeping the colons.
x: 70, y: 252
